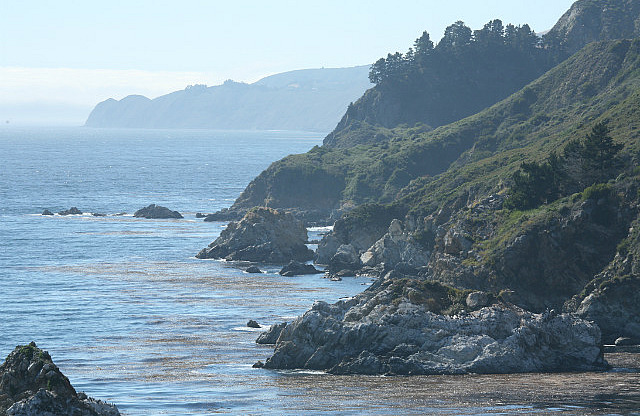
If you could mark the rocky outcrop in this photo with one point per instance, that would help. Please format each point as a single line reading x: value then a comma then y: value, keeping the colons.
x: 31, y: 384
x: 253, y: 269
x: 272, y: 334
x: 154, y: 211
x: 47, y: 212
x: 70, y: 211
x: 295, y: 268
x: 410, y: 327
x: 394, y: 248
x: 263, y: 235
x: 352, y: 235
x: 594, y: 20
x: 615, y: 306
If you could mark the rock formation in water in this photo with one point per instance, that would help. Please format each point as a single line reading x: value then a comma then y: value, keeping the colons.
x: 262, y: 235
x: 413, y: 327
x: 32, y: 385
x: 70, y: 211
x: 154, y: 211
x: 296, y: 268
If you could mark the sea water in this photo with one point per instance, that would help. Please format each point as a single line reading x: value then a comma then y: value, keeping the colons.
x: 131, y: 317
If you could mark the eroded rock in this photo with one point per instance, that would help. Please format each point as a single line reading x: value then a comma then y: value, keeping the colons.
x: 263, y: 235
x: 154, y: 211
x: 410, y: 327
x: 31, y: 384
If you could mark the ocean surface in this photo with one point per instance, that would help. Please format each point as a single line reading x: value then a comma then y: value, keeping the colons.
x: 131, y: 317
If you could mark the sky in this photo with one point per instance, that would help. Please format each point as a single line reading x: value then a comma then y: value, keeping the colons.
x: 58, y: 58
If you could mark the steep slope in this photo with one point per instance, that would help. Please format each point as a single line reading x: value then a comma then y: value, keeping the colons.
x: 594, y: 20
x: 478, y: 152
x: 469, y: 71
x: 310, y: 100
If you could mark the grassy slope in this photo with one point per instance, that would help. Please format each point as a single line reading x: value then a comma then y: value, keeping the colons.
x: 479, y: 152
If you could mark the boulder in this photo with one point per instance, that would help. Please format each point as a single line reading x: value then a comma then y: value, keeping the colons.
x: 262, y: 235
x: 47, y: 212
x: 253, y: 324
x: 295, y: 268
x: 31, y: 384
x: 346, y: 258
x: 409, y: 326
x: 477, y: 300
x: 156, y: 212
x: 71, y: 211
x: 615, y: 306
x: 396, y: 248
x: 98, y: 214
x: 253, y: 269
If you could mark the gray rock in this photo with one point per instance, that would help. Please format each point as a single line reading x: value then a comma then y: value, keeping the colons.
x: 253, y: 324
x: 253, y: 269
x: 296, y: 268
x: 71, y: 211
x: 154, y: 211
x: 272, y: 334
x: 384, y: 331
x: 47, y: 212
x: 615, y: 306
x: 477, y: 300
x: 263, y: 235
x: 396, y: 248
x: 346, y: 257
x: 32, y: 385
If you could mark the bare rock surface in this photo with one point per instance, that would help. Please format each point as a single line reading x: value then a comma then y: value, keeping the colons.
x: 262, y: 235
x: 408, y: 326
x: 154, y: 211
x: 31, y: 384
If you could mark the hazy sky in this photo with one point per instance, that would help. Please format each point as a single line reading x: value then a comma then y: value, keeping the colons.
x: 58, y: 58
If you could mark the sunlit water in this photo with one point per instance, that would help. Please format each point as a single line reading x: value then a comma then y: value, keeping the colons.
x: 130, y: 316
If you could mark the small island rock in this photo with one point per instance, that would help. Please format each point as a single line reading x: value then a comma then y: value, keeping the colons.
x: 262, y: 235
x: 253, y: 324
x: 253, y: 269
x: 156, y: 212
x: 31, y: 384
x: 71, y: 211
x: 47, y: 212
x: 296, y: 268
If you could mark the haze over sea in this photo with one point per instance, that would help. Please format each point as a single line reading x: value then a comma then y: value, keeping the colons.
x: 130, y: 316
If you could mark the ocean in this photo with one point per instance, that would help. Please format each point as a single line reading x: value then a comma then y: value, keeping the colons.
x: 131, y: 317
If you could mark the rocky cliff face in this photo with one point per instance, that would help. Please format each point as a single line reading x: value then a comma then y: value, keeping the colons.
x: 595, y: 20
x: 31, y: 384
x: 408, y: 327
x: 263, y: 235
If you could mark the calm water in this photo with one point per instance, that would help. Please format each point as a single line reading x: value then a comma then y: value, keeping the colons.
x: 132, y: 317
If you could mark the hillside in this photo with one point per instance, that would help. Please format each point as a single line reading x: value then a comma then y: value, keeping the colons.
x: 467, y: 71
x: 532, y: 201
x: 309, y: 100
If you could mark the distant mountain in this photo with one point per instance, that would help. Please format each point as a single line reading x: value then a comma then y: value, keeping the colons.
x: 308, y: 99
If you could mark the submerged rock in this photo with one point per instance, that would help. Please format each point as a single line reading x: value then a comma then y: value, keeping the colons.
x: 408, y: 326
x: 296, y: 268
x: 154, y: 211
x: 47, y: 212
x: 31, y: 384
x: 71, y: 211
x: 263, y: 235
